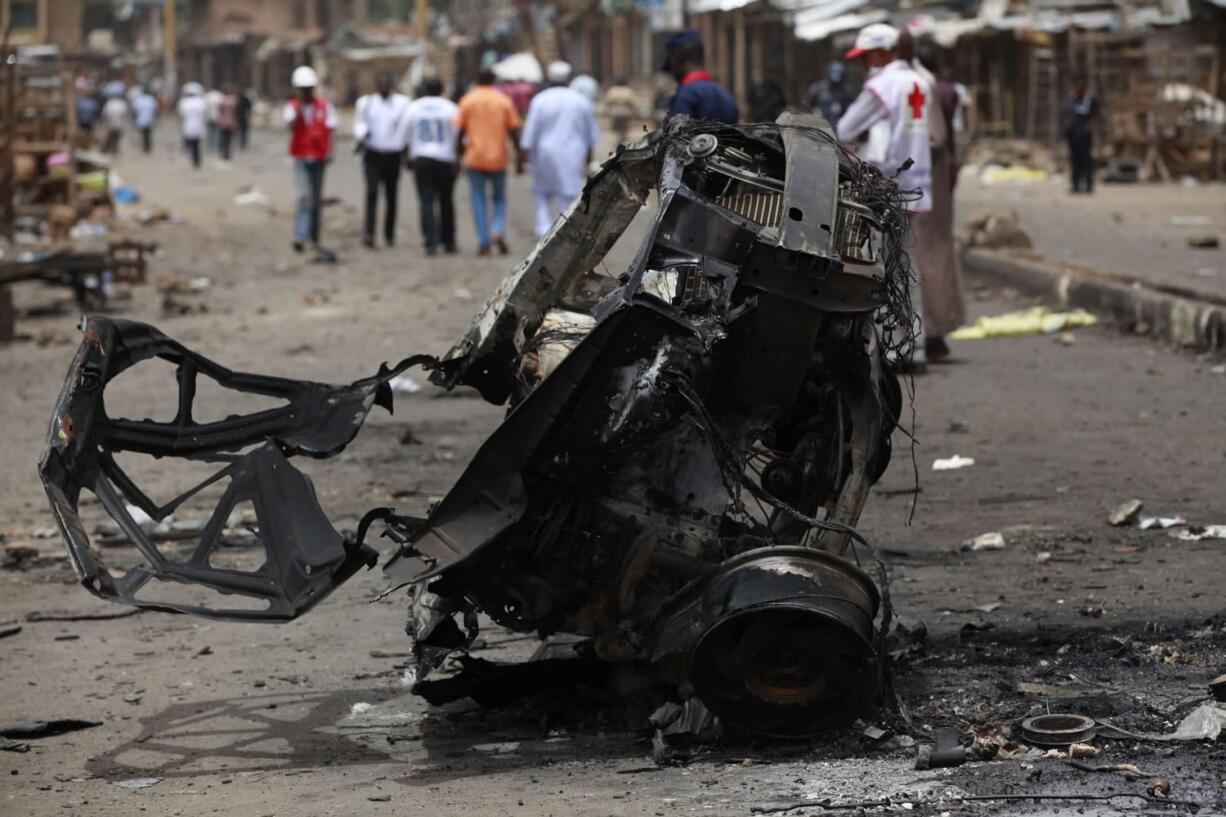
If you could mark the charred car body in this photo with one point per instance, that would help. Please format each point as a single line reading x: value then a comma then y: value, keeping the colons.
x: 687, y: 450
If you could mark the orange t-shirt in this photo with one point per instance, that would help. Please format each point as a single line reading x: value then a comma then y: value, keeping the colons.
x: 487, y: 116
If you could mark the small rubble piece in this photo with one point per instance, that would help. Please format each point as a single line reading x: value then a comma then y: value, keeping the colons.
x: 1037, y: 320
x: 680, y: 727
x: 1204, y: 241
x: 1159, y: 788
x: 1205, y: 722
x: 1218, y: 687
x: 1125, y: 514
x: 988, y: 741
x: 1163, y: 522
x: 7, y: 745
x: 71, y: 615
x: 952, y: 463
x: 19, y: 557
x: 44, y: 729
x: 379, y: 798
x: 9, y: 629
x: 947, y: 751
x: 998, y: 230
x: 985, y: 541
x: 361, y: 708
x: 138, y: 783
x: 1058, y: 730
x: 1195, y: 533
x: 1083, y: 750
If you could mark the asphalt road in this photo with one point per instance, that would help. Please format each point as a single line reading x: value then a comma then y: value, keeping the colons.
x: 1118, y: 623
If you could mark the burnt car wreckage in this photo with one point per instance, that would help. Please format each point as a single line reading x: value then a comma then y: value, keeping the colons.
x: 676, y: 483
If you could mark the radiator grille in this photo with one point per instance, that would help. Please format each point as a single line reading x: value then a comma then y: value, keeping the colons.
x: 761, y: 208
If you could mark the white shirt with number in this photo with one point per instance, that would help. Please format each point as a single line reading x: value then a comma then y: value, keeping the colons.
x: 431, y: 128
x: 899, y: 96
x: 193, y: 113
x: 379, y: 121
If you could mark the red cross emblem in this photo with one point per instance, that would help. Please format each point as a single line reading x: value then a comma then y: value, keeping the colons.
x: 916, y: 100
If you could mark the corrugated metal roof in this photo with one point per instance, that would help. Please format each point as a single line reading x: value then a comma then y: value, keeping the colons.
x: 820, y: 30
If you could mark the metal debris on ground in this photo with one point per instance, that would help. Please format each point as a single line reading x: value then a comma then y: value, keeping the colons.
x: 138, y: 782
x: 1126, y: 513
x: 1161, y: 522
x: 946, y: 751
x: 952, y: 463
x: 677, y: 486
x: 45, y: 729
x: 985, y: 541
x: 1058, y: 730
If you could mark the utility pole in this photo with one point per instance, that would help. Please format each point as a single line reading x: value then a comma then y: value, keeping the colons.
x: 423, y: 34
x: 169, y: 31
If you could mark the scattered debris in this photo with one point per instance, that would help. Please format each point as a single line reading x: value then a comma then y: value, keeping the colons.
x: 1125, y: 768
x: 952, y: 463
x: 1163, y: 522
x: 1159, y: 788
x: 253, y: 196
x: 379, y: 798
x: 946, y: 751
x: 1058, y: 730
x: 1037, y: 320
x: 1049, y: 690
x: 361, y: 708
x: 1204, y: 241
x: 1196, y: 533
x: 9, y: 629
x: 1083, y: 750
x: 8, y: 745
x: 1205, y: 722
x: 391, y: 653
x: 138, y: 782
x: 1217, y: 687
x: 45, y: 729
x: 988, y: 741
x: 985, y: 541
x: 998, y: 230
x: 70, y: 615
x: 1126, y: 513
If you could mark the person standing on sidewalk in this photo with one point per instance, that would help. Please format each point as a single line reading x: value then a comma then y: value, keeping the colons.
x: 622, y: 105
x: 560, y: 133
x: 379, y: 129
x: 115, y: 118
x: 1080, y: 118
x: 432, y: 155
x: 227, y: 122
x: 698, y: 95
x: 145, y: 112
x: 212, y: 99
x: 311, y: 121
x: 193, y: 119
x: 486, y: 121
x: 897, y: 96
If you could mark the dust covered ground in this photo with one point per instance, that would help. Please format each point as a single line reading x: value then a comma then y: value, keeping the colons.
x: 1118, y: 623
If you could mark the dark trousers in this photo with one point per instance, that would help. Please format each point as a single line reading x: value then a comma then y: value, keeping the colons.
x: 146, y: 139
x: 244, y: 127
x: 1081, y: 161
x: 225, y: 138
x: 193, y: 150
x: 435, y: 181
x: 111, y: 146
x: 381, y: 168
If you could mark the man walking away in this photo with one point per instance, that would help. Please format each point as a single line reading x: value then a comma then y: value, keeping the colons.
x: 145, y: 112
x: 432, y: 152
x: 698, y: 94
x: 1080, y: 118
x: 486, y: 120
x: 243, y: 115
x: 193, y: 116
x: 559, y: 136
x: 311, y: 120
x: 895, y: 94
x: 621, y: 104
x: 212, y: 99
x: 115, y: 117
x: 227, y: 122
x: 87, y: 110
x: 379, y: 129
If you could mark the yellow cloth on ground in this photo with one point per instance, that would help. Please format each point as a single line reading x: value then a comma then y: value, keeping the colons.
x: 1038, y: 320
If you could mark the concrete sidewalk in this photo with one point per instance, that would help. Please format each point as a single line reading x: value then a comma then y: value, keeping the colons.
x: 1122, y: 254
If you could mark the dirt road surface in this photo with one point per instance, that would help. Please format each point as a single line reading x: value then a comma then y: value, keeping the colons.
x: 1118, y: 623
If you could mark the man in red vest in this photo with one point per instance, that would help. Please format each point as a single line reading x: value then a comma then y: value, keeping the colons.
x: 311, y: 120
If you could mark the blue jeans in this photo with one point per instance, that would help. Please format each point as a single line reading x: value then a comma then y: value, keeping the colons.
x: 309, y: 184
x: 477, y: 180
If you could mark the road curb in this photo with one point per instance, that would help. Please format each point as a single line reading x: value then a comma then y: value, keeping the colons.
x: 1181, y: 318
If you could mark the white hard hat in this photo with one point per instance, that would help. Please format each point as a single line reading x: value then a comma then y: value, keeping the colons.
x: 587, y: 86
x: 193, y: 89
x: 558, y: 71
x: 877, y: 37
x: 304, y: 77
